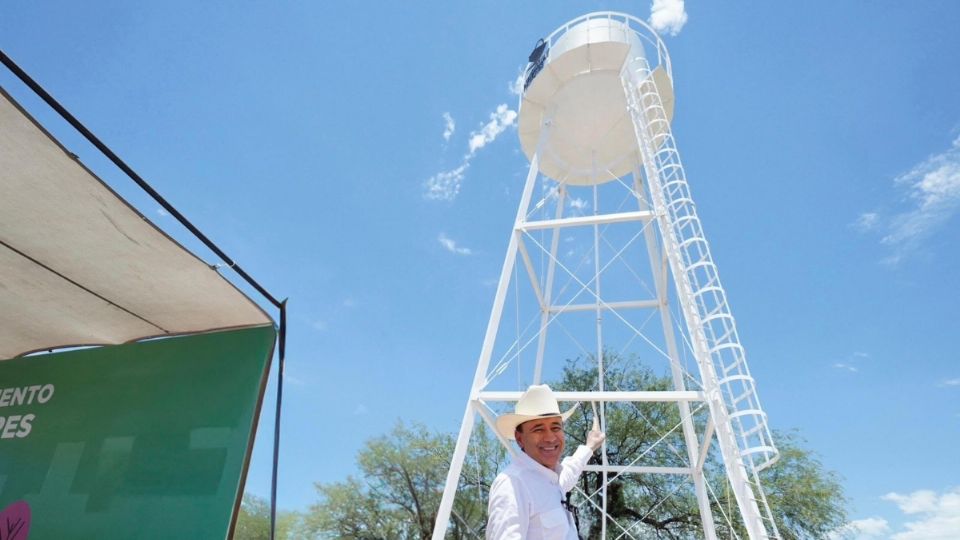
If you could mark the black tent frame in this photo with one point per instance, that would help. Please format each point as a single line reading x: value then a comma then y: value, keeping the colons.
x: 281, y: 305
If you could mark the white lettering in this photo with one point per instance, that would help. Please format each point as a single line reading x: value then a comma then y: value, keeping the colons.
x: 10, y: 431
x: 45, y: 393
x: 25, y: 425
x: 26, y: 395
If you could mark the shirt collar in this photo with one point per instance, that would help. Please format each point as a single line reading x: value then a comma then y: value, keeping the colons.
x: 527, y: 462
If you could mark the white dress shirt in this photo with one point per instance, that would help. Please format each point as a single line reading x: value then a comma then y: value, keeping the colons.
x: 525, y: 499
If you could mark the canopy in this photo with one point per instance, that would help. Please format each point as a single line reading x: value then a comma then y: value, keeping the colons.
x: 80, y: 266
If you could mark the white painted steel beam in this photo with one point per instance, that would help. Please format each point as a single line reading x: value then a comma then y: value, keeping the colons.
x: 608, y: 396
x: 705, y: 446
x: 580, y: 221
x: 636, y: 469
x: 633, y: 304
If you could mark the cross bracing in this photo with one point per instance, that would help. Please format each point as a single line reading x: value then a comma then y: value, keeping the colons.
x: 615, y: 268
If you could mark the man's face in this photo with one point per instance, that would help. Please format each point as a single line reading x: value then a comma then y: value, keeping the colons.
x: 542, y: 440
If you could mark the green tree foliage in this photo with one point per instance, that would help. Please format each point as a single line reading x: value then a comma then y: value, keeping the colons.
x: 401, y: 477
x: 253, y: 522
x: 398, y: 493
x: 807, y: 501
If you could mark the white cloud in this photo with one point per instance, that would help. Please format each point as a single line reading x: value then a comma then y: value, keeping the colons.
x: 861, y: 354
x: 847, y: 367
x: 502, y: 118
x: 937, y: 515
x: 450, y: 245
x: 162, y: 212
x: 360, y: 410
x: 867, y: 221
x: 449, y: 126
x: 933, y: 195
x: 923, y: 500
x: 578, y: 204
x: 871, y: 527
x: 288, y: 378
x: 319, y: 325
x: 862, y: 529
x: 445, y: 185
x: 550, y: 191
x: 349, y: 302
x: 951, y: 382
x: 668, y: 16
x: 516, y: 86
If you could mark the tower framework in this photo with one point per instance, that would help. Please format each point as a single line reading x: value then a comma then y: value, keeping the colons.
x: 608, y: 263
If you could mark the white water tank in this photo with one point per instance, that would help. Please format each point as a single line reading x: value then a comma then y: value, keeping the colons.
x: 574, y: 82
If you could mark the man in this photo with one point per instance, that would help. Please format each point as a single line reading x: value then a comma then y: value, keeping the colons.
x: 527, y: 498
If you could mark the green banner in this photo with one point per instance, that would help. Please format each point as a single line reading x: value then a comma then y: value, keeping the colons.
x: 145, y: 440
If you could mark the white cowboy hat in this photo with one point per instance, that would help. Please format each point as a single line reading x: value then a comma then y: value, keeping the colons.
x: 537, y: 402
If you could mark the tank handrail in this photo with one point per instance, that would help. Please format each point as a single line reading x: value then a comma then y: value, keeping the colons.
x: 639, y: 27
x: 644, y: 31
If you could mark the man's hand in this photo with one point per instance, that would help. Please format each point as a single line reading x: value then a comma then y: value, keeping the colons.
x: 595, y: 438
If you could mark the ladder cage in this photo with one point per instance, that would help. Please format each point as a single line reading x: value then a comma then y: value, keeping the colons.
x: 610, y: 289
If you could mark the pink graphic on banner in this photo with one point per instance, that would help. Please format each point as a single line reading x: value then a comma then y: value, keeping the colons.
x: 15, y: 521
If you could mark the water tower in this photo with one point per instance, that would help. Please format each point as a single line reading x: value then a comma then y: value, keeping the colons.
x: 607, y: 263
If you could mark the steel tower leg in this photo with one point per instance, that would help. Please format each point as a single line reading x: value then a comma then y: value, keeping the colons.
x: 479, y: 380
x: 658, y: 267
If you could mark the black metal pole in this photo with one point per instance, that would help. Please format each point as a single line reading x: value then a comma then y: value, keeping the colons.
x: 276, y: 425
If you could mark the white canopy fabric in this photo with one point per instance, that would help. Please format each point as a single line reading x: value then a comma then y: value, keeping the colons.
x: 79, y: 266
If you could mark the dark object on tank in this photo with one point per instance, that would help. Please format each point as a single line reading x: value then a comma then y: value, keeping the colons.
x: 537, y: 58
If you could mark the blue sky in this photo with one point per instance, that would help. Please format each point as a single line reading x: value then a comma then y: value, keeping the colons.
x: 323, y: 147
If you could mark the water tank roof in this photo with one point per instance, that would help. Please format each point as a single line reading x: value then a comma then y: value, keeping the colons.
x: 574, y: 83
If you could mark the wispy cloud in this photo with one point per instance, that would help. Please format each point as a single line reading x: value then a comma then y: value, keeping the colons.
x: 862, y: 529
x: 360, y: 410
x: 932, y: 197
x: 850, y: 364
x: 867, y: 221
x: 668, y: 16
x: 449, y: 126
x: 929, y: 516
x: 936, y: 516
x: 516, y: 86
x: 578, y: 205
x: 445, y: 185
x: 296, y: 381
x: 500, y: 120
x: 162, y: 212
x: 934, y: 188
x: 331, y: 313
x: 950, y: 382
x: 451, y: 245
